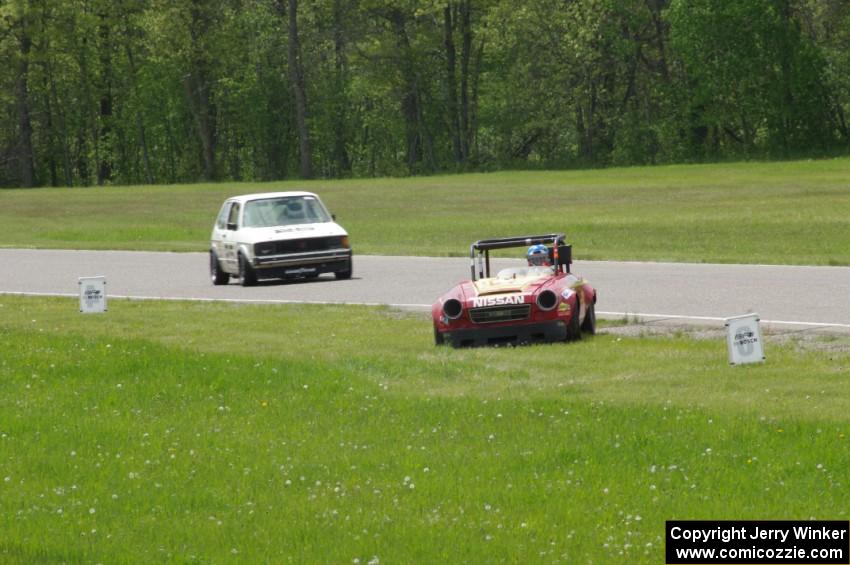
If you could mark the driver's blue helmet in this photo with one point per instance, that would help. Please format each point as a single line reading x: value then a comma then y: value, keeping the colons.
x: 538, y: 255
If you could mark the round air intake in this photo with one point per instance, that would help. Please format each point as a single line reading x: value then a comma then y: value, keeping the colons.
x: 452, y: 308
x: 547, y: 300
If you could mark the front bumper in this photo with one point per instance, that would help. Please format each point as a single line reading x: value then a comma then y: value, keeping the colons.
x: 303, y: 264
x: 539, y: 332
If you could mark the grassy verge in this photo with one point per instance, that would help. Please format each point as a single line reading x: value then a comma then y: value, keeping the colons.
x: 790, y: 212
x: 212, y: 432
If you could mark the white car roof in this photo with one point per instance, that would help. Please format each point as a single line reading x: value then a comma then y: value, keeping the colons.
x: 263, y: 195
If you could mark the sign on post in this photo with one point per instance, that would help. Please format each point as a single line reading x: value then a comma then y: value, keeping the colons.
x: 743, y: 337
x: 92, y: 295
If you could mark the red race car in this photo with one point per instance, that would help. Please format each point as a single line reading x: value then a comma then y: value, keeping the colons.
x: 537, y: 302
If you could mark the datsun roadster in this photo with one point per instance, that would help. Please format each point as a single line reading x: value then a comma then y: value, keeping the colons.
x: 525, y: 304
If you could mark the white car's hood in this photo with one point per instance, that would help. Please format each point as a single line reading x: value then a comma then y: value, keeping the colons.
x: 284, y: 233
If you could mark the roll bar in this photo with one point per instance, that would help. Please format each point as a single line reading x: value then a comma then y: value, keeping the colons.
x: 560, y: 254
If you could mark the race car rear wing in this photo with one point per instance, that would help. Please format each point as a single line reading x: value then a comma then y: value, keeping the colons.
x: 560, y: 254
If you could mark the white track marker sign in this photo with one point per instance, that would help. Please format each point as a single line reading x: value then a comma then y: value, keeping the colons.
x: 92, y: 295
x: 743, y: 337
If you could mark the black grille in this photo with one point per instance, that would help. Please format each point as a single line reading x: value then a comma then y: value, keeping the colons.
x: 493, y: 314
x: 298, y: 245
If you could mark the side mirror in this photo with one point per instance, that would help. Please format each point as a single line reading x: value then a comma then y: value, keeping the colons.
x: 333, y: 217
x: 231, y: 226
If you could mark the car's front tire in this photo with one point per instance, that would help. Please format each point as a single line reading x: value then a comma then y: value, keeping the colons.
x: 346, y: 274
x: 439, y: 339
x: 574, y: 325
x: 589, y: 324
x: 247, y: 276
x: 217, y: 276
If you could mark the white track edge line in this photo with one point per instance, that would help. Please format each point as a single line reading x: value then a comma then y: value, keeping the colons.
x: 415, y: 306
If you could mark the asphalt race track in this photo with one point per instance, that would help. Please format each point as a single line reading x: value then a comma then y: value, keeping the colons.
x: 793, y: 297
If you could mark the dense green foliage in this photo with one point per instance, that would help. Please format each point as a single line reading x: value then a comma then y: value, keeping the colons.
x: 161, y: 91
x: 141, y: 436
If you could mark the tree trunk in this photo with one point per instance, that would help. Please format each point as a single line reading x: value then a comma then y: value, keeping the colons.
x: 465, y: 53
x: 140, y: 126
x: 26, y: 155
x: 63, y: 129
x: 656, y: 7
x: 197, y: 85
x: 197, y: 92
x: 451, y: 82
x: 104, y: 167
x: 341, y: 158
x: 473, y: 110
x: 419, y: 144
x: 296, y: 77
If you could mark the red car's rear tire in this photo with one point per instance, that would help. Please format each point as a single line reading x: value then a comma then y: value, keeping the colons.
x: 574, y: 326
x: 589, y: 324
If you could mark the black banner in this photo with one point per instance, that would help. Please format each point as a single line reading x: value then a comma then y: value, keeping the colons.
x: 694, y: 542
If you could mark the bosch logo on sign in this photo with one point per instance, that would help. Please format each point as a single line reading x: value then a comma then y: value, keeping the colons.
x: 92, y: 296
x: 745, y: 340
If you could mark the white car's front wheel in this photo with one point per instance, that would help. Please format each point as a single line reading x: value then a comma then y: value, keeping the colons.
x: 247, y: 276
x: 346, y: 274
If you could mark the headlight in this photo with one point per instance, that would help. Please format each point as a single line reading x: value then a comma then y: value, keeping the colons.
x: 452, y: 308
x: 547, y: 300
x: 344, y: 242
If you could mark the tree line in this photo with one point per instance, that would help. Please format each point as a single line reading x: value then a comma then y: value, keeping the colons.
x: 97, y: 92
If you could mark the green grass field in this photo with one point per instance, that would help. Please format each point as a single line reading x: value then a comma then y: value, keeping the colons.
x: 183, y: 432
x: 204, y: 432
x: 788, y: 212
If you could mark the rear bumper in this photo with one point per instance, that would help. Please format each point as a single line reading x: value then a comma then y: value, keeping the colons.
x: 540, y: 332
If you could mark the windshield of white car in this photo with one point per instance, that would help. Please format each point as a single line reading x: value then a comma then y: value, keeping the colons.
x: 521, y: 272
x: 284, y: 211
